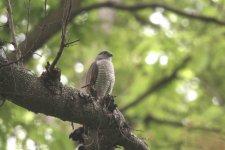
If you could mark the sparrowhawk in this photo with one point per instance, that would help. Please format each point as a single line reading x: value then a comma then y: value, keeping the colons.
x: 100, y: 76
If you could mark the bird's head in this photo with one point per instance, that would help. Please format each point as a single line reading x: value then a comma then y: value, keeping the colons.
x: 104, y: 55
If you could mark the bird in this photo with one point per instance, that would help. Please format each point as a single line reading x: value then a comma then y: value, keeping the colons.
x: 100, y: 77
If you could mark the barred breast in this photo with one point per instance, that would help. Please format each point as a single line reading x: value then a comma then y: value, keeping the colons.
x: 105, y: 79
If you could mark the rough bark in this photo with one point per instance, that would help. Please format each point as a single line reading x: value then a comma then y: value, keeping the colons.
x: 106, y: 129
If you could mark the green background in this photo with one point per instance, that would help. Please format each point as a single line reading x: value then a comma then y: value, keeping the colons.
x: 186, y: 113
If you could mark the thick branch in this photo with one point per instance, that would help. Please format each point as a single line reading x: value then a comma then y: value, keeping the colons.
x: 51, y: 23
x: 29, y: 92
x: 157, y: 86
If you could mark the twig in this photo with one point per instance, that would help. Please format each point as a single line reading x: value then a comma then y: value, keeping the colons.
x: 28, y: 17
x: 45, y: 7
x: 6, y: 55
x: 67, y: 11
x: 158, y: 85
x: 37, y: 54
x: 72, y: 125
x: 70, y: 43
x: 15, y: 61
x: 12, y: 31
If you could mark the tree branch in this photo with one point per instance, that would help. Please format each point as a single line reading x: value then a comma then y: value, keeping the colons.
x: 149, y: 119
x: 158, y: 85
x: 12, y: 30
x: 44, y: 30
x: 65, y: 20
x: 51, y: 23
x: 141, y: 6
x: 29, y: 92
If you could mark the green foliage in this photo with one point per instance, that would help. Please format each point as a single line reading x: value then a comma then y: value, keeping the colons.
x: 143, y: 53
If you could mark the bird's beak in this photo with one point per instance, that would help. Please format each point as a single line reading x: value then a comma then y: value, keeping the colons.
x: 110, y: 55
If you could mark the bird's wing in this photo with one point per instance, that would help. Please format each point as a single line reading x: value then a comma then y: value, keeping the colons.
x: 92, y: 74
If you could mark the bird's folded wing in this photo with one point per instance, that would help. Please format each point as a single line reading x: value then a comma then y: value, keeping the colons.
x: 92, y: 74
